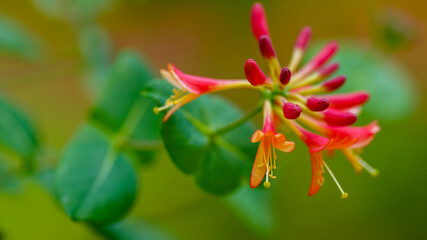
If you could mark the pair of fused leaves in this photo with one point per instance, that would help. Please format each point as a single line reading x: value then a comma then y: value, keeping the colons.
x: 219, y: 162
x: 96, y: 179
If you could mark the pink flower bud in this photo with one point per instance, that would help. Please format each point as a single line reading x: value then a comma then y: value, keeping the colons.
x: 317, y: 104
x: 328, y: 70
x: 285, y: 76
x: 303, y: 38
x: 324, y: 55
x: 253, y: 73
x: 334, y: 83
x: 339, y: 118
x: 259, y: 21
x: 291, y: 111
x: 266, y: 47
x: 348, y: 100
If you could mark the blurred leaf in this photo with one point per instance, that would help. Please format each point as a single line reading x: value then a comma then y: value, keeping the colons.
x: 17, y: 135
x: 123, y: 111
x: 128, y: 77
x: 94, y: 182
x: 73, y: 10
x: 17, y: 41
x: 96, y: 49
x: 219, y: 163
x: 133, y: 230
x: 394, y: 29
x: 393, y: 94
x: 9, y: 180
x: 253, y: 207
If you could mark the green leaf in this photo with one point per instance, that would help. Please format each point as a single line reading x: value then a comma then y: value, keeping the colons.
x: 94, y: 182
x: 96, y: 49
x: 393, y: 94
x: 122, y: 109
x: 254, y: 208
x: 9, y: 179
x: 219, y: 163
x: 17, y: 41
x: 128, y: 77
x: 133, y: 230
x: 73, y: 10
x: 17, y: 134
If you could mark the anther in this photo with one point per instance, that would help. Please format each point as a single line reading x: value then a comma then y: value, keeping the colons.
x: 344, y: 195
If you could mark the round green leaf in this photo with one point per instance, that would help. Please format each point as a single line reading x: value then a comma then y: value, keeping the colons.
x: 94, y: 182
x: 219, y: 162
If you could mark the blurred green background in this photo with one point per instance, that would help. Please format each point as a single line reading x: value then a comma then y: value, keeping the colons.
x: 213, y: 38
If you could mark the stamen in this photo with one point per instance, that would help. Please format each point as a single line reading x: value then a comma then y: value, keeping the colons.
x: 267, y: 184
x: 344, y: 195
x: 374, y: 172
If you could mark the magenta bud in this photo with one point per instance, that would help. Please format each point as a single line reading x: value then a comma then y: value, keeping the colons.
x: 317, y: 104
x: 259, y: 21
x: 291, y: 111
x: 328, y: 70
x: 253, y: 73
x: 303, y: 38
x: 266, y: 47
x: 339, y: 118
x: 325, y: 54
x: 285, y: 75
x: 348, y: 100
x: 334, y: 83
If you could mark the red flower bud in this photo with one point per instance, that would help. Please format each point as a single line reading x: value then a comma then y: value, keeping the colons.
x: 348, y: 100
x: 259, y: 21
x: 303, y: 38
x: 324, y: 55
x: 253, y: 73
x: 334, y: 83
x: 328, y: 70
x: 285, y: 76
x: 266, y: 47
x: 291, y: 111
x: 339, y: 118
x: 317, y: 104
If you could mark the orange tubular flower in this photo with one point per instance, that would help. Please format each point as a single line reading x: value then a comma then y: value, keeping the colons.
x: 300, y: 97
x: 265, y: 160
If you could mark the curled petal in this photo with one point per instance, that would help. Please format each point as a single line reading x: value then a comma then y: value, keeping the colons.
x: 281, y: 143
x: 341, y: 141
x: 314, y: 142
x: 317, y: 171
x: 364, y: 134
x: 257, y: 136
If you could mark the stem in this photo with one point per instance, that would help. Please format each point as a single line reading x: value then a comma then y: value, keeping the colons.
x: 239, y: 122
x: 143, y: 144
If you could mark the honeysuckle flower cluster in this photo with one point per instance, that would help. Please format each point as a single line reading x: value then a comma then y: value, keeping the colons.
x: 296, y: 97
